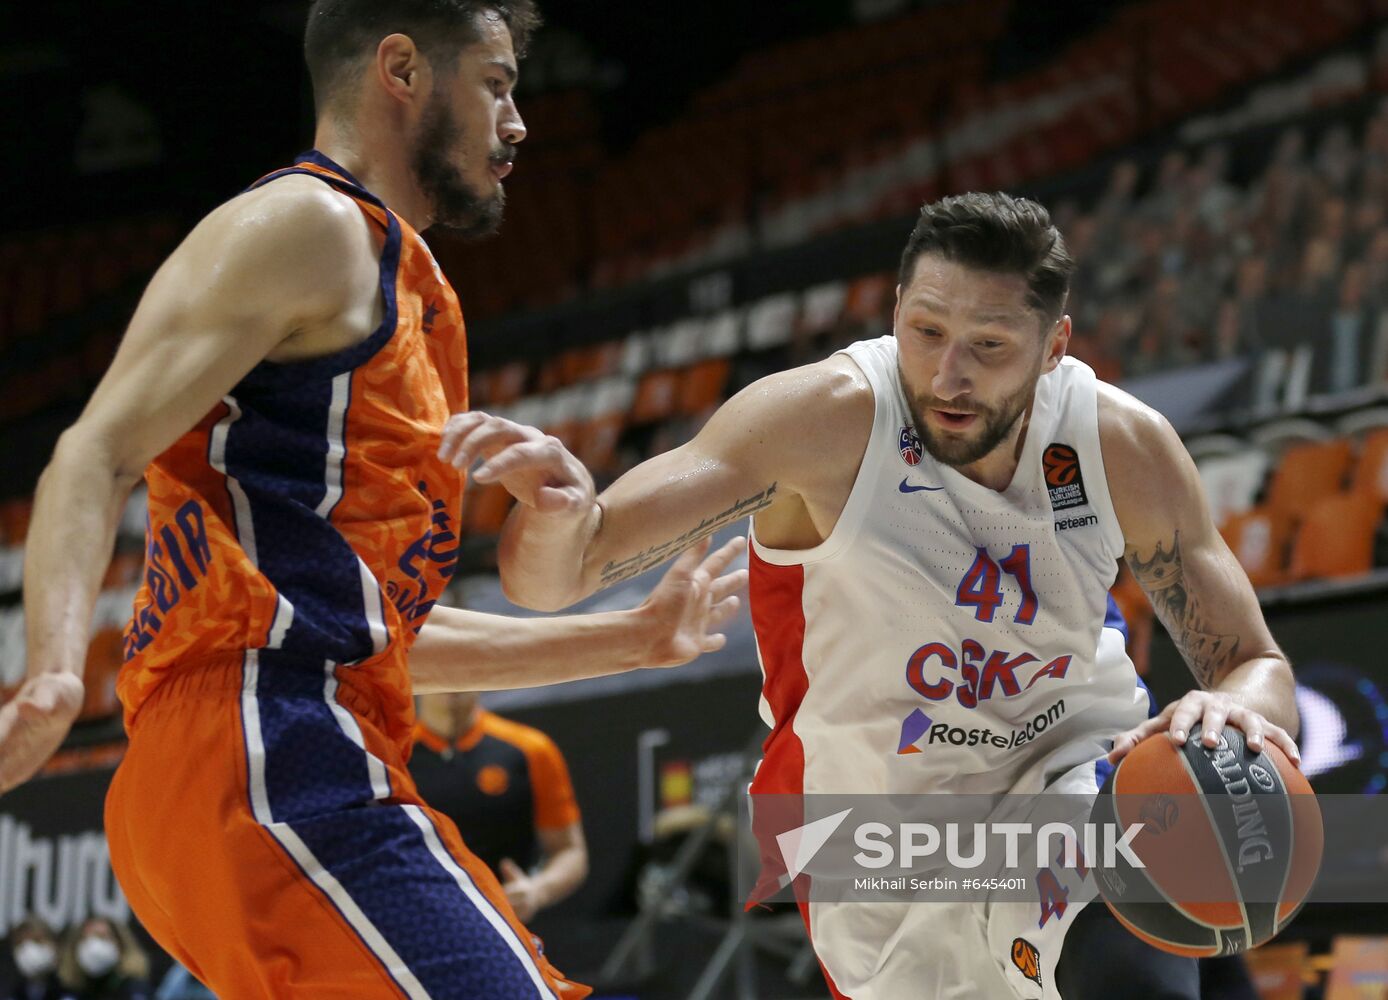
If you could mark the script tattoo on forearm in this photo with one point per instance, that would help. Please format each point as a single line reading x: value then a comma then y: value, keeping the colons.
x: 616, y: 572
x: 1162, y: 576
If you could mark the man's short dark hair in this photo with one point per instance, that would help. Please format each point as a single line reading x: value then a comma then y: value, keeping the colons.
x: 999, y: 233
x: 341, y: 33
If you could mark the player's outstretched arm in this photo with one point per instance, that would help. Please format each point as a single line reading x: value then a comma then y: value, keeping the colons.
x: 1200, y: 593
x: 768, y: 447
x: 460, y: 650
x: 247, y: 278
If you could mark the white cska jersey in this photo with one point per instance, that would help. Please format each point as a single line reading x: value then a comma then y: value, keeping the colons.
x: 947, y: 637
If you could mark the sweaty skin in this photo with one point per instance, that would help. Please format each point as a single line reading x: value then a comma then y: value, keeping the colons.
x: 787, y: 448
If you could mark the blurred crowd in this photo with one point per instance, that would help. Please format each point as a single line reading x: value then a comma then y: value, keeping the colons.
x: 1200, y: 269
x: 97, y: 959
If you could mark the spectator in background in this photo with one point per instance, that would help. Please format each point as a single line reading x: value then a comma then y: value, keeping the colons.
x: 101, y: 960
x: 1349, y: 330
x: 507, y: 787
x: 36, y: 960
x: 178, y: 984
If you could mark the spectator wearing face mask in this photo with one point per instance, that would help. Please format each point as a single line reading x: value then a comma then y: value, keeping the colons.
x: 36, y: 960
x: 101, y: 960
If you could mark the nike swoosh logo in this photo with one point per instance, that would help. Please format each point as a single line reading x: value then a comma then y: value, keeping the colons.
x: 906, y: 487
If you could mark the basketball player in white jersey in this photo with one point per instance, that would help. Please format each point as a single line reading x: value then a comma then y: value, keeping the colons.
x: 938, y: 517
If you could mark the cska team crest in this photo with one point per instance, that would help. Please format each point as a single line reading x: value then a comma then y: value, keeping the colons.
x: 910, y: 446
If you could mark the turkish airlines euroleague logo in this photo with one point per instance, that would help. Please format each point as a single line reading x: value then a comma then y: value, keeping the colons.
x: 1027, y: 959
x: 1063, y: 479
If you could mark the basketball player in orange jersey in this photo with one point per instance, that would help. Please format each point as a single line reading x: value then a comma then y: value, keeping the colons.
x: 283, y: 387
x: 937, y: 521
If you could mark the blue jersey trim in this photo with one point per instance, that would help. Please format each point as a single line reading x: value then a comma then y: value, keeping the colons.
x: 317, y: 785
x: 1113, y: 618
x: 278, y: 453
x: 276, y: 375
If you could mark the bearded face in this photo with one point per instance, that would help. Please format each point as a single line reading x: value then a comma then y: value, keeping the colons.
x: 444, y: 159
x: 985, y: 426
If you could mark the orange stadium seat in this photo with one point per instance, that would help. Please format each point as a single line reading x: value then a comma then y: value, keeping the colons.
x: 1306, y: 472
x: 14, y: 520
x: 702, y: 386
x: 104, y: 658
x: 1277, y: 970
x: 870, y: 299
x: 656, y: 396
x: 1356, y: 969
x: 1371, y: 471
x: 485, y: 509
x: 124, y: 570
x: 1258, y: 539
x: 598, y: 446
x: 1336, y: 538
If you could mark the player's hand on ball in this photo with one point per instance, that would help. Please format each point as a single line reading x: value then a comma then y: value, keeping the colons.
x: 1204, y: 714
x: 522, y: 891
x: 34, y: 722
x: 533, y: 466
x: 696, y: 596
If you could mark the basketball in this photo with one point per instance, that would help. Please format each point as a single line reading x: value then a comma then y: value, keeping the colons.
x: 1229, y: 846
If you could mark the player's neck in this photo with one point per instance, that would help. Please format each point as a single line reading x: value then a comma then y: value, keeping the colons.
x: 387, y: 176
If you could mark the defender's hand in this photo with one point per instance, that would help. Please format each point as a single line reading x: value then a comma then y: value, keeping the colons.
x: 34, y: 722
x: 1205, y: 714
x: 534, y: 467
x: 694, y: 597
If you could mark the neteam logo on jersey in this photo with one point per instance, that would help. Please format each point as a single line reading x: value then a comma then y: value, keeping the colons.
x: 911, y: 450
x: 1063, y: 479
x: 919, y: 732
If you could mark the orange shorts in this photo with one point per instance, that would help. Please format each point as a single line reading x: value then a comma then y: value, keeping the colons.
x: 268, y: 836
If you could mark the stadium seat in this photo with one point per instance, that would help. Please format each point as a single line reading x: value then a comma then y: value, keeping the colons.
x: 771, y: 321
x: 124, y: 570
x: 598, y: 447
x: 1232, y: 482
x: 723, y: 334
x: 485, y: 509
x: 1371, y: 470
x: 869, y: 301
x: 1258, y: 539
x: 1336, y: 538
x: 656, y: 396
x: 14, y: 520
x: 821, y: 307
x: 105, y: 655
x: 1307, y: 472
x: 703, y: 386
x: 1277, y: 970
x: 1356, y: 969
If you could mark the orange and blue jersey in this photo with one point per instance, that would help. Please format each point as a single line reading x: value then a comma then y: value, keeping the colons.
x: 308, y: 513
x: 263, y: 823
